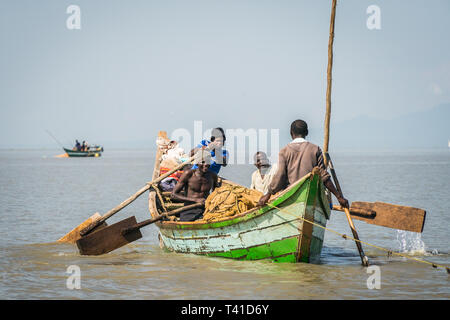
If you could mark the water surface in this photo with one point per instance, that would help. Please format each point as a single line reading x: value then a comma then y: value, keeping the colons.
x: 42, y: 198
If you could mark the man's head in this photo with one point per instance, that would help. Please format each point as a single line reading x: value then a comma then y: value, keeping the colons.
x: 299, y: 129
x: 218, y: 136
x: 202, y: 159
x: 260, y: 160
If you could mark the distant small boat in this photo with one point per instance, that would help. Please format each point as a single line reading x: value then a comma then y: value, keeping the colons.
x: 95, y: 151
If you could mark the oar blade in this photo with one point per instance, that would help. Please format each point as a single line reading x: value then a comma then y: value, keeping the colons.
x: 392, y: 215
x: 109, y: 238
x: 74, y: 234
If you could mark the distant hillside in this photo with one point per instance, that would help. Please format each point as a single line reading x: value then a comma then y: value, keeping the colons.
x: 428, y: 129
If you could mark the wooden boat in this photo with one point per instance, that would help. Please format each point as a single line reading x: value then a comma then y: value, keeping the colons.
x: 278, y: 234
x: 95, y: 151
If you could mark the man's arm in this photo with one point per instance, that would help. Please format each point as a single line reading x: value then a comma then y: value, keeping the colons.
x: 326, y: 179
x: 225, y: 158
x: 224, y: 164
x: 216, y: 183
x: 201, y: 145
x: 252, y: 184
x: 278, y: 181
x: 330, y: 186
x: 220, y: 154
x: 193, y: 151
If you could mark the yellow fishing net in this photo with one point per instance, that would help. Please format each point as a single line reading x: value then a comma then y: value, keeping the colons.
x: 228, y: 200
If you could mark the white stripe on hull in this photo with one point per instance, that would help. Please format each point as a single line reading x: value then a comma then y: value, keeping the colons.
x: 269, y: 227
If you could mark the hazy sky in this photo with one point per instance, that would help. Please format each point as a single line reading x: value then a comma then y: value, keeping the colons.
x: 136, y: 67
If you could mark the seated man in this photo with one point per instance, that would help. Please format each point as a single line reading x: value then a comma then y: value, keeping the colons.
x: 262, y: 177
x: 195, y: 185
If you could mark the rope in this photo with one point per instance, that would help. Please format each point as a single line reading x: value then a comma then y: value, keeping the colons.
x: 390, y: 252
x: 50, y: 134
x: 155, y: 187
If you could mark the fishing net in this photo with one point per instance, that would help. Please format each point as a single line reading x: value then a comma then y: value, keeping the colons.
x: 229, y: 200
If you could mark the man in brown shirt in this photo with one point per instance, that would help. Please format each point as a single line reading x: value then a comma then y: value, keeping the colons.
x: 298, y: 159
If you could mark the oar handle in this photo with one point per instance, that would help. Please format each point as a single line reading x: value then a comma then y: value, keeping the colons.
x: 366, y: 213
x: 125, y: 203
x: 333, y: 173
x: 165, y: 215
x: 114, y: 210
x: 364, y: 259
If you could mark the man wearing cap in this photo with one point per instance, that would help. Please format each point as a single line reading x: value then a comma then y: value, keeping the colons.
x: 298, y: 159
x: 195, y: 185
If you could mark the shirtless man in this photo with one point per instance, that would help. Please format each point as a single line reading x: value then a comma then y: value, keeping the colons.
x: 195, y: 185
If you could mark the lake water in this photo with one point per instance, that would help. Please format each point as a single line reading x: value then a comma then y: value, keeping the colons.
x: 43, y: 197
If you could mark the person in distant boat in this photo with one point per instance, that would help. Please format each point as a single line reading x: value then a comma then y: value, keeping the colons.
x: 83, y: 146
x: 195, y: 185
x: 218, y: 153
x: 77, y: 145
x: 298, y: 159
x: 262, y: 177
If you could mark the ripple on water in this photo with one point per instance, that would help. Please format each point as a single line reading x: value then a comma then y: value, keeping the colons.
x: 64, y: 193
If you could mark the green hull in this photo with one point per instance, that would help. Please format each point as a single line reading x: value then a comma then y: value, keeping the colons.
x: 264, y: 233
x: 72, y: 153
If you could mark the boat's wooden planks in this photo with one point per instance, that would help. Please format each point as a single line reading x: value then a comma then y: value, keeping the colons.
x: 311, y: 201
x: 250, y: 239
x: 240, y: 235
x: 152, y: 194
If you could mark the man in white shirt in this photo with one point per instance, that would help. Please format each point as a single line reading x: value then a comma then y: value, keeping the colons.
x: 262, y: 177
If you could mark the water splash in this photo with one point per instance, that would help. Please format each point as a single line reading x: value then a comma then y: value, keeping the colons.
x: 410, y: 242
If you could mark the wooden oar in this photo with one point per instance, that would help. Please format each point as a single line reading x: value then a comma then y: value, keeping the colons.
x: 119, y: 234
x: 83, y: 230
x: 364, y: 259
x: 388, y: 215
x: 74, y: 234
x: 361, y: 212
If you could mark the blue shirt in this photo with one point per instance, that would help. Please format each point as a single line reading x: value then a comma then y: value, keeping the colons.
x: 214, y: 167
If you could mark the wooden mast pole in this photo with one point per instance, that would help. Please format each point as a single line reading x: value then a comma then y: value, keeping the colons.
x: 329, y: 81
x: 326, y: 159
